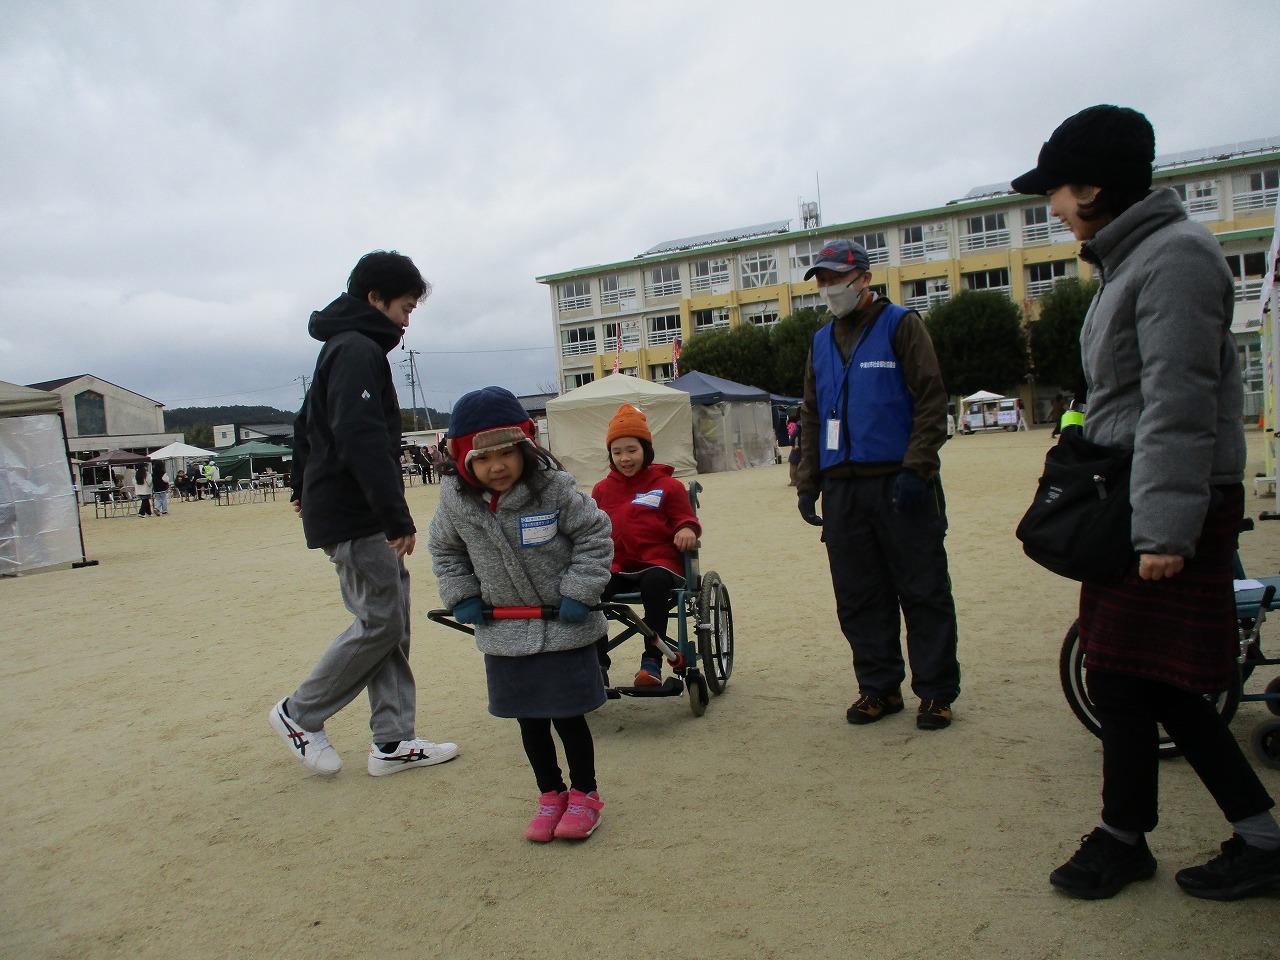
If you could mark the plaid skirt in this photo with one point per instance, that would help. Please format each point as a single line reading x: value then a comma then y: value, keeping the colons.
x: 1181, y: 630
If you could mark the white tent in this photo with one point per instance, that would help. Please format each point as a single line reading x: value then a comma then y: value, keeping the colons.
x: 181, y: 450
x: 982, y: 396
x: 578, y: 421
x: 39, y: 516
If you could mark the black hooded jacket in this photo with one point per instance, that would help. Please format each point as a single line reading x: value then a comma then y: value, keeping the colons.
x: 346, y: 468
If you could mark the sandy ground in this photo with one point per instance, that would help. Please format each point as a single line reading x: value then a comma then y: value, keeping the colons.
x: 150, y: 812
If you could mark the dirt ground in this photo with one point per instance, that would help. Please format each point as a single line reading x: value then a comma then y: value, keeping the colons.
x: 149, y: 812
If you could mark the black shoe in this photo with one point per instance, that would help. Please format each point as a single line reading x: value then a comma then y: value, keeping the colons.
x: 1239, y: 871
x: 933, y: 715
x: 871, y: 707
x: 1103, y: 866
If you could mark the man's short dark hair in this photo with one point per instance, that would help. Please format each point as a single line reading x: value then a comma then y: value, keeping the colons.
x: 388, y: 274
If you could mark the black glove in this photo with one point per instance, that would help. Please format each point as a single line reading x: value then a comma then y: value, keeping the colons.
x: 808, y: 504
x: 908, y: 491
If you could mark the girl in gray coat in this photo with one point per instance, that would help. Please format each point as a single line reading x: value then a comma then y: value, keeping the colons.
x: 513, y: 530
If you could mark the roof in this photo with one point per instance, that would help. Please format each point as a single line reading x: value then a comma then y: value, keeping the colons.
x: 536, y: 402
x: 705, y: 389
x: 723, y: 236
x: 275, y: 429
x: 55, y: 384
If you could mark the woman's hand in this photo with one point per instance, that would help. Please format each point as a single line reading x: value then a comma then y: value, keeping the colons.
x: 686, y: 539
x: 1158, y: 566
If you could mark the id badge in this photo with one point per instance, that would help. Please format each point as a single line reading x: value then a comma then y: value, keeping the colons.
x: 833, y: 434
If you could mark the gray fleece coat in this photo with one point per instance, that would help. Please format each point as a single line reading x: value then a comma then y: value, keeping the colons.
x: 1161, y: 367
x: 532, y: 551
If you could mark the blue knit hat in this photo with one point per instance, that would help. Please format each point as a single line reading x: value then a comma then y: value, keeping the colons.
x: 486, y: 419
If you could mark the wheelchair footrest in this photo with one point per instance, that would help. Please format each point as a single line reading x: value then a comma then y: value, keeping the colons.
x: 671, y: 687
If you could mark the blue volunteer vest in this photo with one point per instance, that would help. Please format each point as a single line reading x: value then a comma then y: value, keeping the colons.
x: 869, y: 395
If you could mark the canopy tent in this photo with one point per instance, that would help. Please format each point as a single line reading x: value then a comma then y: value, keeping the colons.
x: 237, y: 463
x: 115, y: 458
x: 113, y: 461
x: 578, y: 421
x: 982, y: 396
x: 39, y: 516
x: 180, y: 450
x: 732, y: 423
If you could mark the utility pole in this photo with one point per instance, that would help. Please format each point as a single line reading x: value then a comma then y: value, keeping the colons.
x: 413, y: 386
x: 416, y: 377
x: 304, y: 388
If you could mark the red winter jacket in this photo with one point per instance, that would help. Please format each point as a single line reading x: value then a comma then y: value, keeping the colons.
x: 646, y: 511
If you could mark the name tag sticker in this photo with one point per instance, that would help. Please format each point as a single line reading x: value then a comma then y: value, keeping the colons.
x: 833, y: 434
x: 649, y: 498
x: 538, y: 528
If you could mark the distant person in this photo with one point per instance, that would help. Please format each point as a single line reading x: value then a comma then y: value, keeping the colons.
x: 873, y: 419
x: 160, y: 488
x: 793, y: 455
x: 512, y: 530
x: 653, y: 527
x: 1056, y: 410
x: 1163, y: 381
x: 348, y: 488
x: 142, y: 486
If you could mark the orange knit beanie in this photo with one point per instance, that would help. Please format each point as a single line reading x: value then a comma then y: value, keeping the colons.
x: 628, y: 422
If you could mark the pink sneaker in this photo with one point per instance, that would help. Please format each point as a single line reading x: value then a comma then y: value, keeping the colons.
x: 581, y: 817
x: 551, y: 806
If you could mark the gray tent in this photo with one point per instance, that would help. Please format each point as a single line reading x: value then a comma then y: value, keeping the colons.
x: 39, y: 516
x: 732, y: 423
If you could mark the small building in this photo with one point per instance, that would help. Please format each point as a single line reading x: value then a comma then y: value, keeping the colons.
x: 101, y: 415
x: 229, y: 434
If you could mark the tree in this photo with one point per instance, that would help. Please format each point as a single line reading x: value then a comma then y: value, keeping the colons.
x: 1055, y: 334
x: 198, y: 435
x: 740, y: 354
x: 789, y: 344
x: 980, y: 342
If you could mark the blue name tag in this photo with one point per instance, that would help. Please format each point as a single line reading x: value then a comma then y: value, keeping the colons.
x: 538, y: 528
x: 649, y: 498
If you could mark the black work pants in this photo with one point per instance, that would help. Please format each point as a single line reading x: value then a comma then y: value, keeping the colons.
x: 887, y: 567
x: 1129, y: 709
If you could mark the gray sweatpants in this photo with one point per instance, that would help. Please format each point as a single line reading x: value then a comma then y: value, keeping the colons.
x: 373, y: 652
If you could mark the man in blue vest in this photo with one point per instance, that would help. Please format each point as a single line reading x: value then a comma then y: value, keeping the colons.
x: 873, y: 419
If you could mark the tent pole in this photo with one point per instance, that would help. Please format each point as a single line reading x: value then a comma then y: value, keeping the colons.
x: 84, y: 561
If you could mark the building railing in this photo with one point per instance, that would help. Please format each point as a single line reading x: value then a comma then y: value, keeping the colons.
x: 1202, y: 208
x: 668, y: 288
x: 985, y: 240
x: 937, y: 248
x: 705, y: 284
x: 575, y: 303
x: 1254, y: 200
x: 579, y: 349
x: 610, y: 297
x: 878, y: 255
x: 1035, y: 233
x: 1248, y: 290
x: 659, y: 337
x: 1038, y: 288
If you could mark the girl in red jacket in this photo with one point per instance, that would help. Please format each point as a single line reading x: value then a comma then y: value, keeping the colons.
x: 653, y: 524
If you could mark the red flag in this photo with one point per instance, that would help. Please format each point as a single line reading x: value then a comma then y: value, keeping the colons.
x: 675, y: 357
x: 617, y: 356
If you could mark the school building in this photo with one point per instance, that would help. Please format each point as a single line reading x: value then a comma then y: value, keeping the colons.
x: 990, y: 239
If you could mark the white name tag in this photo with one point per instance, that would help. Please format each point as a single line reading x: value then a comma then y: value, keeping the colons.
x: 538, y: 528
x: 649, y: 498
x: 833, y: 434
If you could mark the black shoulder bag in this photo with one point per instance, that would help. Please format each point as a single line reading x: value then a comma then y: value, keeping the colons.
x: 1079, y: 524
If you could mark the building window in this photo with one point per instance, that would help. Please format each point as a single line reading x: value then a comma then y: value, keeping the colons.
x: 804, y: 255
x: 663, y: 281
x: 929, y: 241
x: 1248, y: 269
x: 661, y: 372
x: 807, y: 301
x: 1042, y: 276
x: 663, y: 329
x: 919, y: 295
x: 711, y: 319
x: 615, y: 288
x: 1038, y: 226
x: 759, y: 269
x: 1200, y: 198
x: 574, y: 380
x: 761, y: 314
x: 91, y: 414
x: 709, y: 276
x: 1255, y: 191
x: 879, y: 289
x: 983, y: 232
x: 997, y: 280
x: 876, y: 247
x: 575, y: 295
x: 577, y: 341
x: 630, y: 335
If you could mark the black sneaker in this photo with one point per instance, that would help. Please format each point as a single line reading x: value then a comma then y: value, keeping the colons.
x: 1103, y: 866
x: 1239, y: 871
x: 871, y: 707
x: 933, y: 715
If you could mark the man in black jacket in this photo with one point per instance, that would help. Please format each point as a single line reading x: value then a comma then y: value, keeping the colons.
x: 348, y: 488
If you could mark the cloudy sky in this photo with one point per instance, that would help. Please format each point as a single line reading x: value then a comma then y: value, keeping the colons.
x: 185, y: 181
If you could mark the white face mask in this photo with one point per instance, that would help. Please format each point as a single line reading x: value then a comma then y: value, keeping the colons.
x: 841, y: 299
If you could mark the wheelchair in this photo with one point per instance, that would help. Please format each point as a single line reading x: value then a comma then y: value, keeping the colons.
x: 1252, y: 606
x: 701, y: 658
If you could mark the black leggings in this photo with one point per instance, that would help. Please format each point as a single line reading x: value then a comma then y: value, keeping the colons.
x: 579, y: 752
x: 654, y: 586
x: 1129, y: 709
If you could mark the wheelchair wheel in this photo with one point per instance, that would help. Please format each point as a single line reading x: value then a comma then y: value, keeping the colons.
x: 1265, y: 741
x: 1273, y: 690
x: 1071, y: 674
x: 715, y: 632
x: 699, y: 696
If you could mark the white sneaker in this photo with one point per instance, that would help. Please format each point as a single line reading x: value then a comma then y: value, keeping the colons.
x: 410, y: 754
x: 313, y: 750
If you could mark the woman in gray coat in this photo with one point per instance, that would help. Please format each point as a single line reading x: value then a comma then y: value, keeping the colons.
x: 512, y: 530
x: 1160, y: 364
